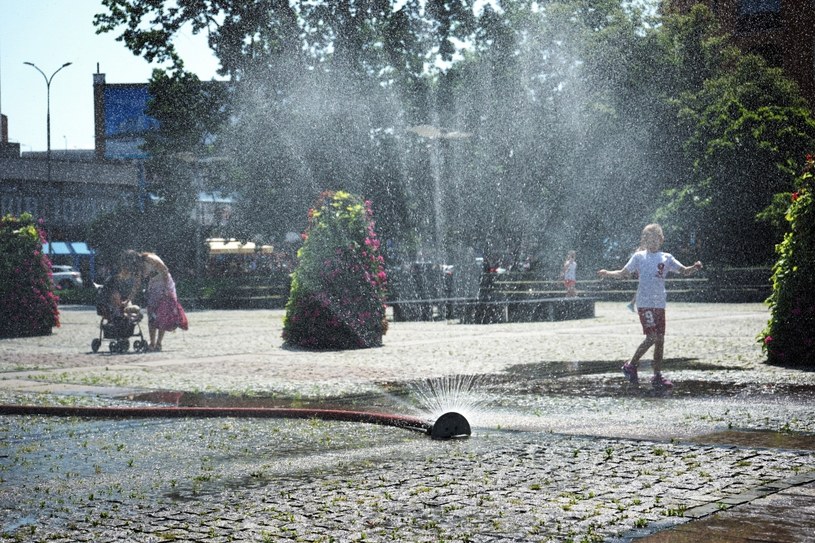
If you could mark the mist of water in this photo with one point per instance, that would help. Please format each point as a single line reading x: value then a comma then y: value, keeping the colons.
x: 484, y: 177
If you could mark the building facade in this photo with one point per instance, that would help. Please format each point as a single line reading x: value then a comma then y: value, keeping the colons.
x: 77, y: 192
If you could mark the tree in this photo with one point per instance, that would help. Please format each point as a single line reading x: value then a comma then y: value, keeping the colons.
x: 160, y: 228
x: 190, y: 113
x: 745, y: 124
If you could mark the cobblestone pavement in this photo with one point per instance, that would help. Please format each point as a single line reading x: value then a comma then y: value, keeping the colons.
x: 563, y: 449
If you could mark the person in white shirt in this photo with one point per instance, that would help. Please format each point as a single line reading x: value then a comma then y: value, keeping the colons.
x: 569, y: 274
x: 652, y: 266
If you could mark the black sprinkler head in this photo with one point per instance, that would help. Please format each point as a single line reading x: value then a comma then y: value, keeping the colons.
x: 450, y: 425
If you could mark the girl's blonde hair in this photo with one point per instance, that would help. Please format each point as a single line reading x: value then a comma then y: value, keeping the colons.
x: 652, y: 229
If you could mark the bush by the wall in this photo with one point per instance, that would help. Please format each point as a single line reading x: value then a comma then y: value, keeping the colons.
x: 337, y: 296
x: 788, y: 337
x: 28, y: 305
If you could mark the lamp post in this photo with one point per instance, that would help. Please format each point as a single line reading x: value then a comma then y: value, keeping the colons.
x: 48, y: 110
x: 438, y: 166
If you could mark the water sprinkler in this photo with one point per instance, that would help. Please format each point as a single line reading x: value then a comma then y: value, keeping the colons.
x: 450, y: 425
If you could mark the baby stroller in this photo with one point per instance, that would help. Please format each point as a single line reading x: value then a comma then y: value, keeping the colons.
x: 118, y: 325
x: 119, y: 330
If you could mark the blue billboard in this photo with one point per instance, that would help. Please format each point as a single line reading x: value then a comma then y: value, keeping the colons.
x: 126, y: 120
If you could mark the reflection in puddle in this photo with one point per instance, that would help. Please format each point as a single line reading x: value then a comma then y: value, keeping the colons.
x: 759, y: 439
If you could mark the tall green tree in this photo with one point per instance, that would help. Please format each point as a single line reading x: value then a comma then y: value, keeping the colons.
x: 745, y: 128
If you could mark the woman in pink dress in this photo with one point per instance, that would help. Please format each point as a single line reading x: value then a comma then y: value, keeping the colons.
x: 164, y: 313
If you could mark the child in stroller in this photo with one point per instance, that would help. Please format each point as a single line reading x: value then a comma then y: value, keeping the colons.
x: 120, y: 317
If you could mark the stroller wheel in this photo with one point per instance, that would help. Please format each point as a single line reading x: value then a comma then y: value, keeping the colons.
x: 114, y: 346
x: 95, y: 344
x: 138, y: 345
x: 124, y: 345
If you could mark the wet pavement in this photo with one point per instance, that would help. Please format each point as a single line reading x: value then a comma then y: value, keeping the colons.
x: 563, y: 448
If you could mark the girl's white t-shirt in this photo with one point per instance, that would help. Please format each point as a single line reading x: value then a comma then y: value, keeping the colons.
x: 570, y: 272
x: 652, y: 269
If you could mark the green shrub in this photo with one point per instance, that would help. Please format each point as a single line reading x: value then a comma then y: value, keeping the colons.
x: 78, y: 296
x: 788, y: 337
x: 337, y: 295
x: 28, y: 305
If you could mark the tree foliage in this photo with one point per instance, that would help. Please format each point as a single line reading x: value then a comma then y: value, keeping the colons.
x: 745, y: 127
x: 160, y: 228
x: 181, y: 165
x: 525, y: 127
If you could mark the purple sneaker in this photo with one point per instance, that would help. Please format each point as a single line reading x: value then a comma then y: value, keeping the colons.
x: 658, y: 381
x: 630, y: 373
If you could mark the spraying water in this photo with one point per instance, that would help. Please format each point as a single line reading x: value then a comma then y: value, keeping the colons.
x: 456, y: 393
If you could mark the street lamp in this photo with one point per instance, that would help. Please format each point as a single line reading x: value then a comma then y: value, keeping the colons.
x: 438, y: 163
x: 48, y: 109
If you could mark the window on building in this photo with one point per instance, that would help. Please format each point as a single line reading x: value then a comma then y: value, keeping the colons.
x: 758, y: 15
x: 31, y: 204
x: 749, y: 7
x: 9, y: 205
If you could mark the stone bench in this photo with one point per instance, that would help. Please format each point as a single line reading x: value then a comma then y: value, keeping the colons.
x: 475, y: 311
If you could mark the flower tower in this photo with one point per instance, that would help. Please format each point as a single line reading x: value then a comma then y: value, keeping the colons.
x: 28, y: 305
x: 788, y: 338
x: 337, y: 296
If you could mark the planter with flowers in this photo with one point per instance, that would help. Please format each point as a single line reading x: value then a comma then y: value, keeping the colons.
x: 337, y: 295
x: 788, y: 338
x: 28, y: 305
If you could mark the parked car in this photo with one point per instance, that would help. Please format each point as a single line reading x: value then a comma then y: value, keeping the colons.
x: 66, y: 276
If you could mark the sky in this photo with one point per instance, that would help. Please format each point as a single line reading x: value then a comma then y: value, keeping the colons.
x: 50, y: 33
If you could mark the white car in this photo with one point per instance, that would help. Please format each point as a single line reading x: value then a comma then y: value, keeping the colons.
x: 66, y: 276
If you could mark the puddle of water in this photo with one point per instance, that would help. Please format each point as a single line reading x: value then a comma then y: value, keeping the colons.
x: 760, y: 439
x: 732, y: 530
x: 603, y: 378
x: 18, y: 523
x: 548, y: 369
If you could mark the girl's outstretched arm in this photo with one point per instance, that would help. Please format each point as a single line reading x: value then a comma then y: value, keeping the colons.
x: 616, y: 274
x: 687, y: 270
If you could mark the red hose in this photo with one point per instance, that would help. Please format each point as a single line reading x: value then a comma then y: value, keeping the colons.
x: 384, y: 419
